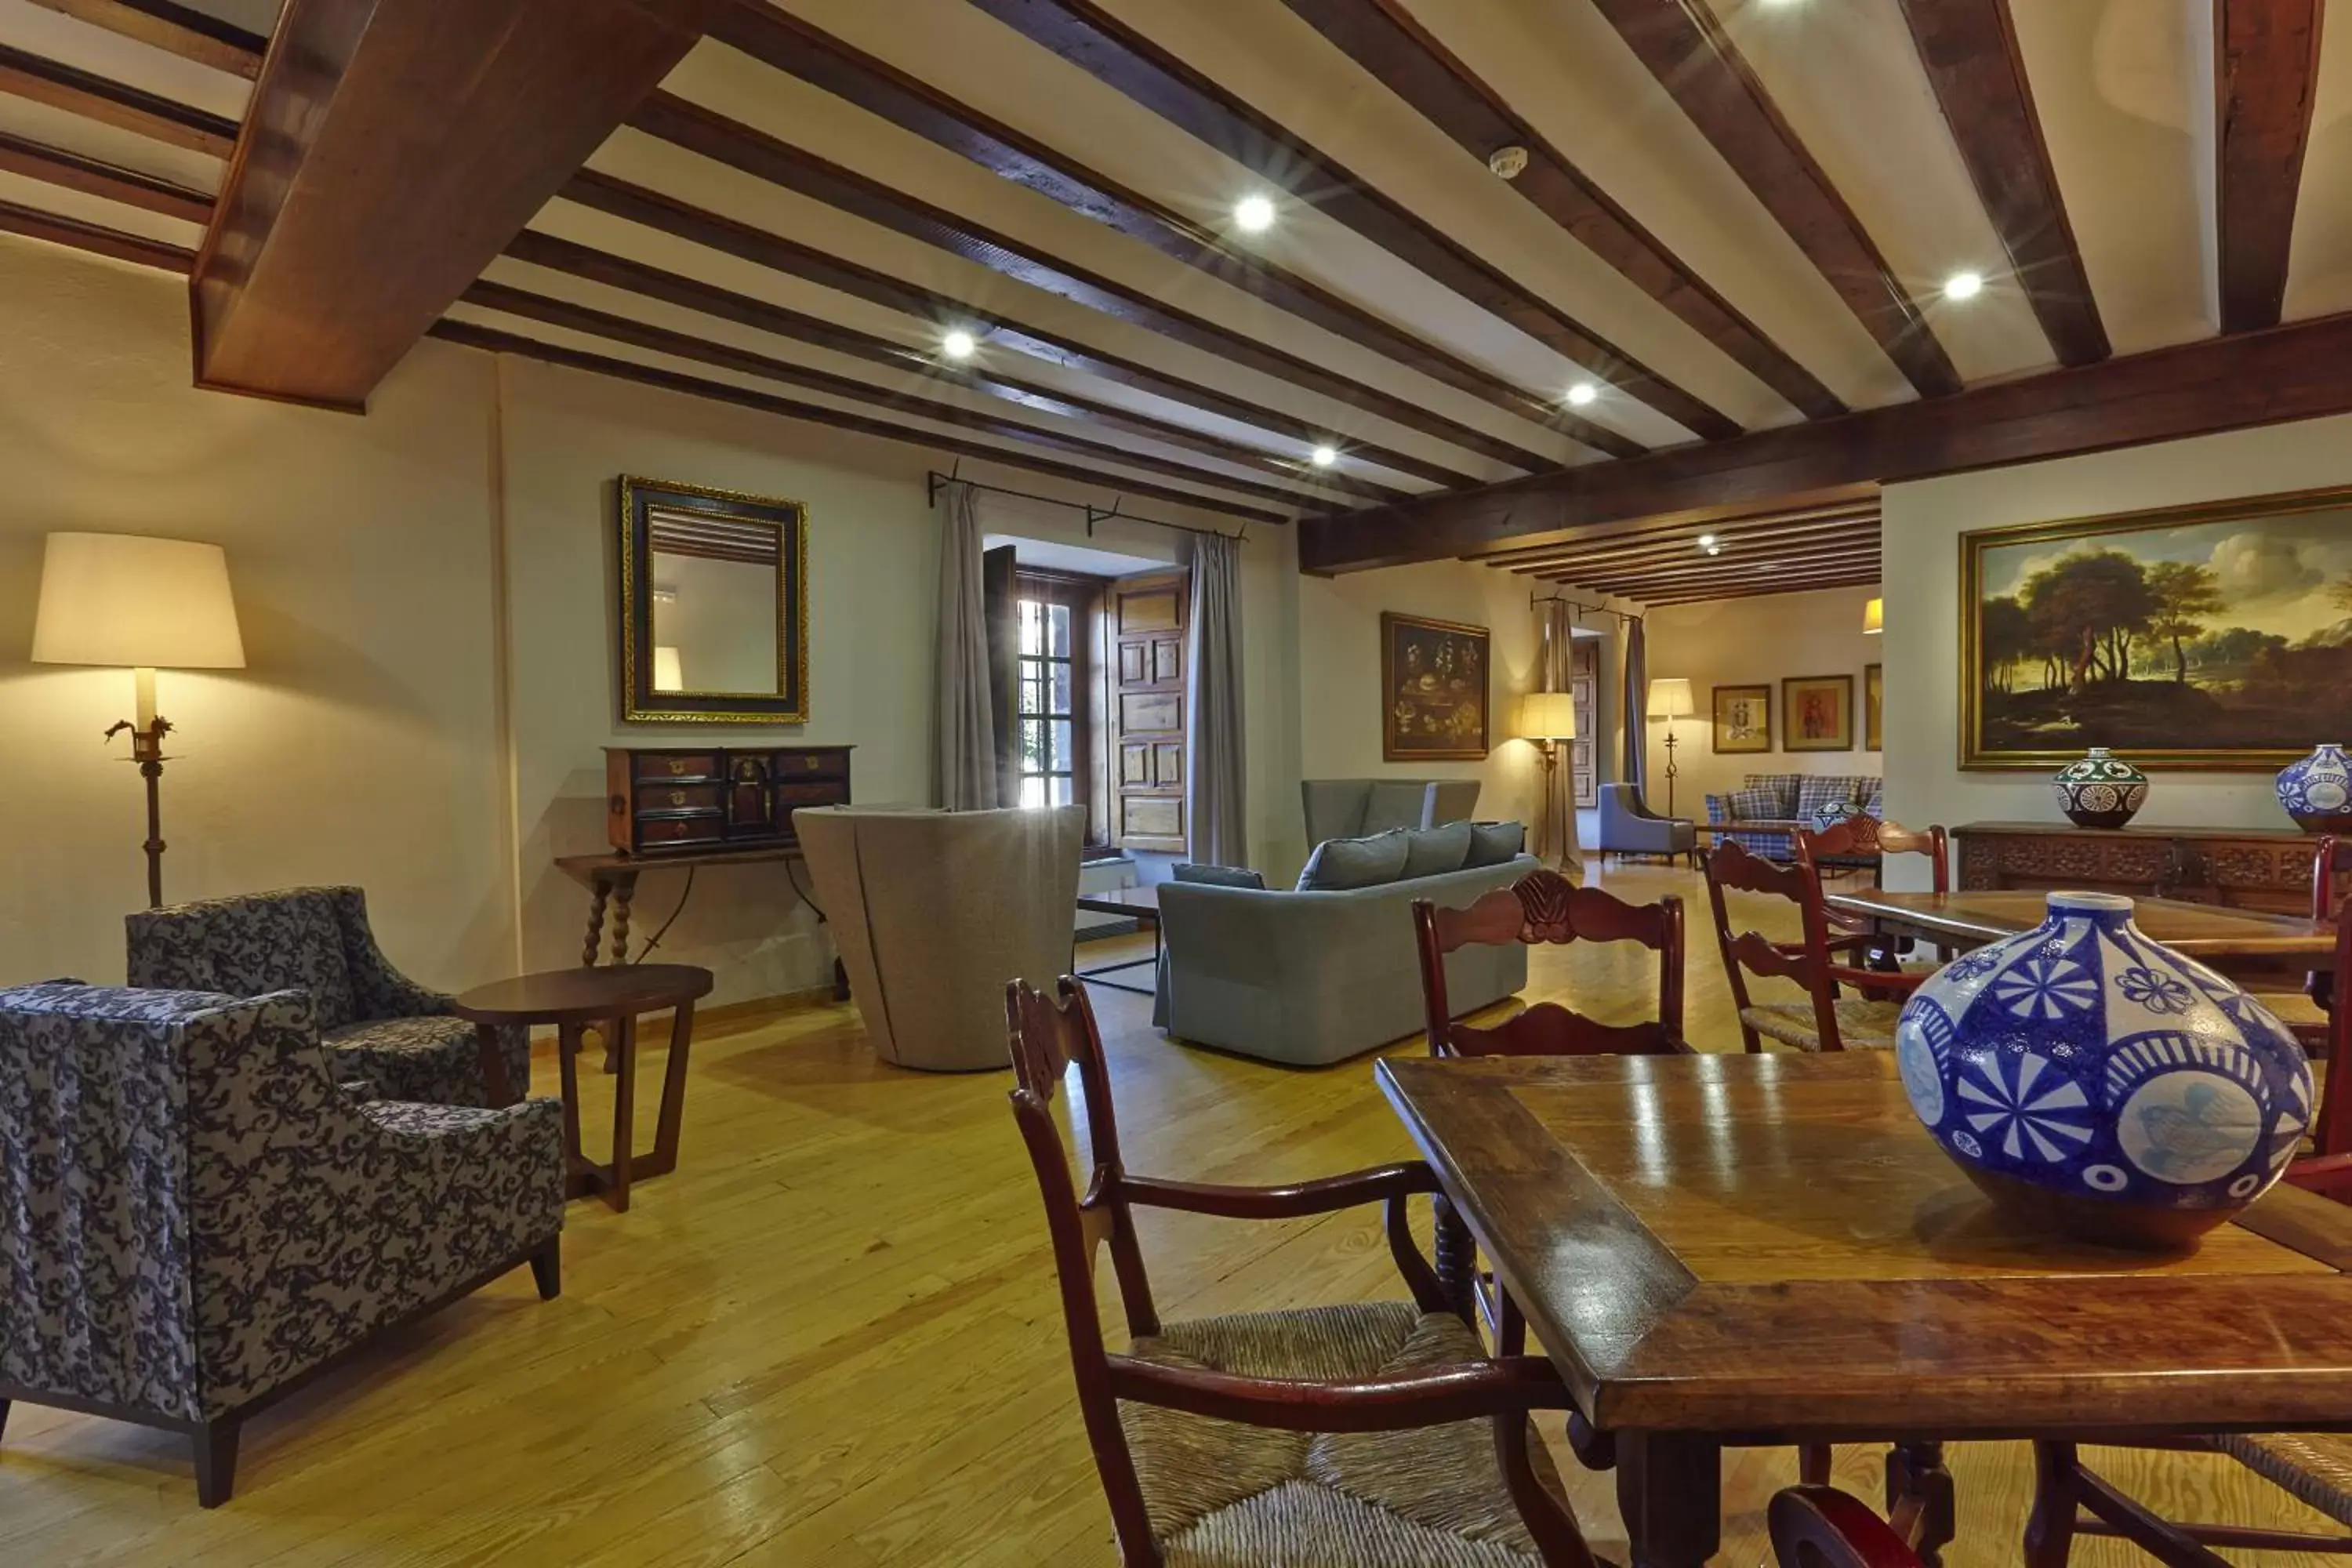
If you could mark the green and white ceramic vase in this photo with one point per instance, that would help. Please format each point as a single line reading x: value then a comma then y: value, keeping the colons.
x: 2101, y: 791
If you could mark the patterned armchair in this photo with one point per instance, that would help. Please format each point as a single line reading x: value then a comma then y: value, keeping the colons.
x: 380, y: 1028
x: 194, y: 1217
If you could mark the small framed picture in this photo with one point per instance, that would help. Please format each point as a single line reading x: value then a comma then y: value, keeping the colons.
x: 1873, y: 707
x: 1817, y: 712
x: 1743, y: 719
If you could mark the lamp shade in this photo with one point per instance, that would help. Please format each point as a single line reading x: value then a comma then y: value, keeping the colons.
x: 151, y: 604
x: 668, y: 674
x: 1548, y: 716
x: 1874, y: 616
x: 1670, y: 698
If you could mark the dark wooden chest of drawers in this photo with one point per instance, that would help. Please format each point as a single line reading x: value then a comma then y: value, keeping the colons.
x: 2245, y: 868
x: 671, y: 799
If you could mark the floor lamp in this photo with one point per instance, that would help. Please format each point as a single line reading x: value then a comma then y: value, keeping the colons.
x: 1548, y: 718
x: 1670, y: 699
x: 145, y: 604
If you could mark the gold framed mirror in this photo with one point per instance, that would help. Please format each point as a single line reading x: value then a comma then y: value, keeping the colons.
x: 714, y: 605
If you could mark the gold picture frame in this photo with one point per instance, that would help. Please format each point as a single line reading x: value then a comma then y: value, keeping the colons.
x: 1817, y: 713
x: 2228, y: 621
x: 1742, y: 719
x: 1435, y: 701
x: 637, y: 499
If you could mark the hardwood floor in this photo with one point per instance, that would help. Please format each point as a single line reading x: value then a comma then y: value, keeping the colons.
x: 832, y: 1338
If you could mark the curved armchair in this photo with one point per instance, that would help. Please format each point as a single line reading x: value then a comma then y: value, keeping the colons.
x: 1628, y: 826
x: 934, y: 910
x: 194, y: 1217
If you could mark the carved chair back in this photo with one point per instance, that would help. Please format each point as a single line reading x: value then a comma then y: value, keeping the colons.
x: 2331, y: 1130
x: 1545, y: 907
x: 1809, y: 961
x: 1861, y: 835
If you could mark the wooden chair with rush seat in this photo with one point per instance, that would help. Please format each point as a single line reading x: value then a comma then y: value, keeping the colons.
x: 1371, y: 1434
x: 1828, y: 1019
x: 1863, y: 839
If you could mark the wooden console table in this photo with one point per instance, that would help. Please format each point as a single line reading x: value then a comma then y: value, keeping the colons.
x: 2243, y: 867
x: 611, y: 882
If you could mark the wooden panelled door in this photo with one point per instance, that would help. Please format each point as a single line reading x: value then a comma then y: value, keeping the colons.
x: 1583, y: 670
x: 1148, y: 618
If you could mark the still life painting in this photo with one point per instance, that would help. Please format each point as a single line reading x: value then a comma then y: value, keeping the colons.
x: 1433, y: 690
x: 2216, y: 635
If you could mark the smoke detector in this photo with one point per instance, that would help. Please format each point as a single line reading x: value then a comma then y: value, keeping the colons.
x: 1507, y: 162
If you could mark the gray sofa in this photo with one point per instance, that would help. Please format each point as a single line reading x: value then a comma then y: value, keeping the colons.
x: 1349, y: 809
x: 1306, y: 979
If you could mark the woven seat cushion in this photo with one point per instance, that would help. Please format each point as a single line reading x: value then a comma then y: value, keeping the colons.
x: 1223, y: 1495
x: 1861, y: 1024
x: 2312, y: 1468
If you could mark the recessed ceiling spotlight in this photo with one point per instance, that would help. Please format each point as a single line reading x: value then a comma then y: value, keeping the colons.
x: 1583, y: 393
x: 958, y: 344
x: 1509, y: 162
x: 1706, y: 541
x: 1324, y: 456
x: 1714, y: 549
x: 1254, y: 215
x: 1963, y: 286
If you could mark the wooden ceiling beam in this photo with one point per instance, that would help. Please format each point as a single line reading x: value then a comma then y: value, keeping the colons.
x: 93, y: 96
x: 1841, y: 501
x: 763, y: 157
x: 653, y: 283
x: 393, y: 148
x: 1969, y: 48
x: 2293, y: 372
x: 1696, y: 62
x: 1387, y: 41
x: 1681, y: 533
x: 1106, y: 49
x: 513, y: 301
x: 791, y: 45
x: 176, y: 29
x: 497, y: 341
x: 1841, y: 558
x: 2265, y: 81
x: 1761, y: 591
x: 638, y: 205
x: 97, y: 238
x: 1683, y: 550
x: 71, y: 171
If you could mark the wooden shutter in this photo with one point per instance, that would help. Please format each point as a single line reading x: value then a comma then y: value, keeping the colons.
x: 1582, y: 685
x: 998, y: 601
x: 1147, y: 620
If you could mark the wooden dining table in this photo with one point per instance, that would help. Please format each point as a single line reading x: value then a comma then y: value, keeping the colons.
x: 2224, y: 938
x: 1730, y: 1250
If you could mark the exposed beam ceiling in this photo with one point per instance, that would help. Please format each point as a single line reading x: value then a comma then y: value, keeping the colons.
x: 111, y: 103
x: 1682, y: 538
x: 2266, y: 78
x: 1682, y: 554
x: 1695, y: 60
x: 1970, y: 50
x: 2223, y: 384
x: 1859, y: 579
x: 75, y: 172
x: 393, y: 148
x: 190, y: 34
x: 96, y: 238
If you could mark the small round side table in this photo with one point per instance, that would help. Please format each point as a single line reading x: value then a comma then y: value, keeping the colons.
x: 610, y: 999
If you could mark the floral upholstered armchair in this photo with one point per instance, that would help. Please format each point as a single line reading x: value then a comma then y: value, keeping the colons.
x: 380, y: 1028
x: 194, y: 1216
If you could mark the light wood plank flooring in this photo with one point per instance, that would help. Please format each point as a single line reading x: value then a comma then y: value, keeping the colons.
x: 832, y: 1338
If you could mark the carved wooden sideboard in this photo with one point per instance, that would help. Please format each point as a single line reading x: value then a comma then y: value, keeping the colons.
x: 2243, y: 867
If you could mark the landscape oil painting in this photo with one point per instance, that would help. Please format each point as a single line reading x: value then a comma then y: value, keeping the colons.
x: 2216, y: 635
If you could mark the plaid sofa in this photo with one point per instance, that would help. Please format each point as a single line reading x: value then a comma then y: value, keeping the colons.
x: 1790, y: 797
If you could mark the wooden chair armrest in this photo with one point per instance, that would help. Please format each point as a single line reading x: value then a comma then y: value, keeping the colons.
x: 1322, y: 1195
x: 1431, y: 1397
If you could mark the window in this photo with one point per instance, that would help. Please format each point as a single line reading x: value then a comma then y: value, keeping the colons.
x: 1051, y: 749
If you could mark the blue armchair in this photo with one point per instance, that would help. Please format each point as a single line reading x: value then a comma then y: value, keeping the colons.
x: 1628, y: 826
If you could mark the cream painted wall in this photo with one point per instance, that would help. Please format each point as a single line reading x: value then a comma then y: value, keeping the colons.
x: 1753, y: 642
x: 1922, y: 523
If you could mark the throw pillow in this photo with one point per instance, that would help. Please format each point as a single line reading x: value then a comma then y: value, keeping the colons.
x: 1218, y: 876
x: 1393, y: 803
x: 1495, y: 843
x: 1433, y: 851
x: 1754, y: 804
x: 1339, y: 864
x: 1877, y: 805
x: 1819, y: 790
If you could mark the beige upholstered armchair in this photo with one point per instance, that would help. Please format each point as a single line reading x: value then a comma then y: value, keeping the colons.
x: 934, y: 910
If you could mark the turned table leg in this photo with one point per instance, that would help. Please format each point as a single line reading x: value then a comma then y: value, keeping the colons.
x: 1669, y: 1491
x: 596, y: 900
x: 1919, y: 1496
x: 624, y: 893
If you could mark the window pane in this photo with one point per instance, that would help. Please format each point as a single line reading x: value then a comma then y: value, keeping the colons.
x: 1032, y: 792
x: 1032, y: 637
x: 1033, y: 746
x: 1033, y: 685
x: 1062, y: 790
x: 1063, y: 761
x: 1061, y: 689
x: 1060, y: 614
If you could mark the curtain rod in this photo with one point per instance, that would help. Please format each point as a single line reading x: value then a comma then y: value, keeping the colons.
x: 1094, y: 513
x: 1579, y: 605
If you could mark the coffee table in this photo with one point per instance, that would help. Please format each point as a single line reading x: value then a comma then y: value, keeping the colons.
x: 610, y: 999
x: 1139, y: 904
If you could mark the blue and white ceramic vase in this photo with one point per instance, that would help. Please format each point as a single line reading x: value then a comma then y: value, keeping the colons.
x: 1823, y: 818
x: 2101, y: 791
x: 2084, y: 1074
x: 2316, y: 790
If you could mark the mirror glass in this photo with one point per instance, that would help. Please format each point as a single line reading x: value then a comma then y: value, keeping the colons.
x: 717, y: 603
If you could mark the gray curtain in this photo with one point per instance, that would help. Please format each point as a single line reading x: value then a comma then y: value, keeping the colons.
x: 965, y: 765
x: 1553, y: 619
x: 1215, y: 769
x: 1636, y: 707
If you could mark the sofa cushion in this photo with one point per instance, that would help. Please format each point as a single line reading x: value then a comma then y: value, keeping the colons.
x: 1755, y: 805
x: 1395, y: 803
x: 1495, y: 843
x: 1817, y: 792
x: 1432, y: 851
x: 1783, y: 788
x: 1218, y: 876
x: 1339, y: 864
x: 1875, y: 806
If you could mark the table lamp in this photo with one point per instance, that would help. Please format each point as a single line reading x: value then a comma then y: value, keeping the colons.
x: 145, y: 603
x: 1670, y: 699
x: 1549, y: 717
